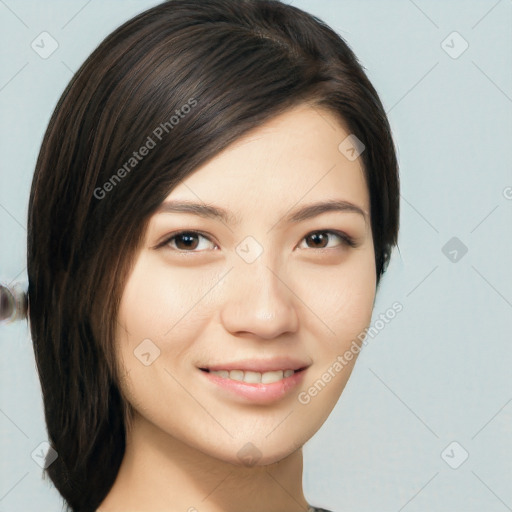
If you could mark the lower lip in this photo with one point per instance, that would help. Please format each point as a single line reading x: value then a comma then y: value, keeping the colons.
x: 257, y: 393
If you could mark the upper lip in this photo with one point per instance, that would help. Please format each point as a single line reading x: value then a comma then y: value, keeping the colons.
x: 259, y: 365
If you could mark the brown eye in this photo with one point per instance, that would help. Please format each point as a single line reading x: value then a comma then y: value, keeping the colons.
x: 320, y: 239
x: 186, y: 241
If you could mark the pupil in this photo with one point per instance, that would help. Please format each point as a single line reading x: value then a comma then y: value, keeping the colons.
x: 318, y: 237
x: 188, y: 238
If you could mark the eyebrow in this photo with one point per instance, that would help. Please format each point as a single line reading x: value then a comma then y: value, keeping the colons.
x: 305, y: 212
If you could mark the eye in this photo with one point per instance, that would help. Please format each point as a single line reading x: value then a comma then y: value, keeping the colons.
x: 320, y: 239
x: 189, y: 241
x: 186, y: 241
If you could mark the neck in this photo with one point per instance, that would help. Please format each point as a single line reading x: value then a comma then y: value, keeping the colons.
x: 161, y: 473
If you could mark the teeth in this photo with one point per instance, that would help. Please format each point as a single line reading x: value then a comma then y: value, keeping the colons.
x: 254, y: 377
x: 269, y: 377
x: 251, y: 377
x: 236, y: 375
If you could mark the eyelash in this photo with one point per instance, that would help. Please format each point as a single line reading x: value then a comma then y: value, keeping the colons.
x: 346, y: 240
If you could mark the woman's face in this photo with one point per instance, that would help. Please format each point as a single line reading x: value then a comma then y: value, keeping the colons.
x: 273, y: 285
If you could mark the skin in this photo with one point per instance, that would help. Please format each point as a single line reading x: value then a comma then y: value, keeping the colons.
x: 301, y: 297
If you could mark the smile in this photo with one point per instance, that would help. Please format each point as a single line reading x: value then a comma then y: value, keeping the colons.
x: 253, y: 377
x: 252, y: 386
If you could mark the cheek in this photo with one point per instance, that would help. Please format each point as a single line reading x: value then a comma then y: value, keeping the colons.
x: 160, y: 314
x: 342, y: 298
x: 352, y: 303
x: 159, y: 301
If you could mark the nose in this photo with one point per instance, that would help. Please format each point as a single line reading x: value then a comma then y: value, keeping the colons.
x: 259, y: 302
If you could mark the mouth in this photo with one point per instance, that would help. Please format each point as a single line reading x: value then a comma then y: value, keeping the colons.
x: 255, y: 381
x: 253, y: 377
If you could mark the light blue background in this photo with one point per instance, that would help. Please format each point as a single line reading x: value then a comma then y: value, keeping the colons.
x: 440, y: 371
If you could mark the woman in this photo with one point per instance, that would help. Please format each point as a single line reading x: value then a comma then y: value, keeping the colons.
x: 213, y: 206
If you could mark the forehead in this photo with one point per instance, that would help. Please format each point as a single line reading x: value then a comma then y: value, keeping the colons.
x: 295, y: 157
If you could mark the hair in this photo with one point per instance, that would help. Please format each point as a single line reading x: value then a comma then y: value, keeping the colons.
x: 209, y: 71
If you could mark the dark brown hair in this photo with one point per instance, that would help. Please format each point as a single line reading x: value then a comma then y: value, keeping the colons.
x: 201, y: 74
